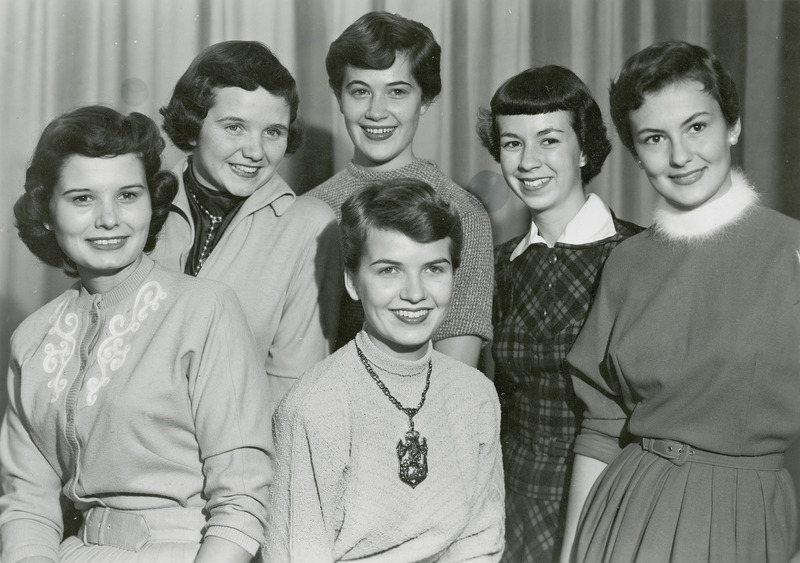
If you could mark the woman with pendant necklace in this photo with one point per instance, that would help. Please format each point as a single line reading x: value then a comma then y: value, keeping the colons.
x: 389, y: 448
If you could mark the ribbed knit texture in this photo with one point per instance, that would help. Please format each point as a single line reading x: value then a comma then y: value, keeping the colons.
x: 337, y: 494
x: 471, y: 307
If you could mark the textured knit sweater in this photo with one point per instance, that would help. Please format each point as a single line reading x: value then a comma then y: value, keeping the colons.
x: 148, y: 396
x: 471, y: 307
x: 337, y: 494
x: 280, y: 254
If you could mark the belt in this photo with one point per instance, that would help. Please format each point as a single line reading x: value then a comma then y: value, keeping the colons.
x: 131, y: 530
x: 679, y: 453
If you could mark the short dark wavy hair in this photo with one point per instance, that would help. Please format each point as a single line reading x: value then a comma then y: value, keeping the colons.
x: 92, y: 131
x: 238, y: 64
x: 546, y: 89
x: 405, y: 205
x: 375, y: 39
x: 661, y: 65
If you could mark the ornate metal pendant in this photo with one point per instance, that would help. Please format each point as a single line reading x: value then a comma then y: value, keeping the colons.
x: 413, y: 457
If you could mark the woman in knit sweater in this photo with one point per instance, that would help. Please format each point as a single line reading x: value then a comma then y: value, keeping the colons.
x: 547, y: 132
x: 384, y: 71
x: 388, y: 449
x: 691, y: 345
x: 137, y: 394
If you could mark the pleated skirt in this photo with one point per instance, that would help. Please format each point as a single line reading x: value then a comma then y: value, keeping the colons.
x: 646, y: 508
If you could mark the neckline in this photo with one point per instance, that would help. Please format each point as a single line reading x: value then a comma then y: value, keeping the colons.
x: 390, y: 364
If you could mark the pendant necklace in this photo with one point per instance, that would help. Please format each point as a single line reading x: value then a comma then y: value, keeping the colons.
x: 214, y: 222
x: 411, y: 453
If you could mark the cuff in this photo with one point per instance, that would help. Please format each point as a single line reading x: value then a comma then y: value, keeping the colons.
x: 26, y: 538
x: 233, y: 535
x: 597, y: 445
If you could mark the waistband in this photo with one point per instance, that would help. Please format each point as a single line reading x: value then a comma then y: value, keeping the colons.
x: 132, y: 529
x: 680, y: 453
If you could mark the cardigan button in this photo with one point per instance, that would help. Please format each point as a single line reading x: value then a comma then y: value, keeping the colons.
x: 552, y: 259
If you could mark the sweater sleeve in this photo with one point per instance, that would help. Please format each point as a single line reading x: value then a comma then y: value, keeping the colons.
x: 471, y: 305
x: 594, y: 379
x: 312, y: 452
x: 483, y: 537
x: 228, y: 392
x: 31, y: 521
x: 309, y: 319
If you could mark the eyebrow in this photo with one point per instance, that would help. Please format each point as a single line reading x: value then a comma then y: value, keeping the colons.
x: 395, y: 83
x: 234, y: 119
x: 683, y: 124
x: 89, y: 190
x: 396, y: 263
x: 541, y: 133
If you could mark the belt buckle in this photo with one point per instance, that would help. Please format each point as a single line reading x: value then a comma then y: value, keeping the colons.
x: 676, y: 452
x: 684, y: 452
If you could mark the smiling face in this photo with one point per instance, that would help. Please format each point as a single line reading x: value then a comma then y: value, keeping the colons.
x: 242, y: 140
x: 541, y: 160
x: 381, y: 111
x: 684, y: 144
x: 405, y: 289
x: 100, y: 210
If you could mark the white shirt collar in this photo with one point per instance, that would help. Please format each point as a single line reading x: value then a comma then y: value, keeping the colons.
x: 593, y: 222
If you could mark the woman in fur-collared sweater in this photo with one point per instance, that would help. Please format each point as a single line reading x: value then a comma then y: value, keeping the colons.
x: 691, y: 344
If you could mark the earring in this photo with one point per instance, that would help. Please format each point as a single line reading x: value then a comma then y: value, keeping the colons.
x: 640, y: 165
x: 47, y: 226
x: 733, y: 139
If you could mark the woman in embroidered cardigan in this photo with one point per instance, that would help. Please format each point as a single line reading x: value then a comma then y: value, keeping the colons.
x: 691, y: 344
x: 137, y: 394
x: 547, y: 133
x: 389, y: 450
x: 384, y: 71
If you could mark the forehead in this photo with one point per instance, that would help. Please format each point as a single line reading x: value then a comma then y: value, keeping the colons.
x: 249, y: 105
x: 672, y: 105
x: 535, y: 123
x: 400, y: 71
x: 101, y: 173
x: 395, y: 246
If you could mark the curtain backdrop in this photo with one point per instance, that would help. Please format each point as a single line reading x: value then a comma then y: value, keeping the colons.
x: 61, y: 54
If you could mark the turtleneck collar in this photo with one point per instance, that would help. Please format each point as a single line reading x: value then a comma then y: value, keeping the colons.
x: 707, y: 220
x: 406, y: 171
x: 118, y: 293
x: 391, y: 364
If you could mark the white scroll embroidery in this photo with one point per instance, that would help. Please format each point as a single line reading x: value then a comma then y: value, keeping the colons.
x: 113, y: 350
x: 57, y: 357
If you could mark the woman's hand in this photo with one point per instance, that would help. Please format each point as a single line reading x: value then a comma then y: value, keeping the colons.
x: 216, y: 550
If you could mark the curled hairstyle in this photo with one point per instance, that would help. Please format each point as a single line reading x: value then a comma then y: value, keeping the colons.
x: 661, y: 65
x: 95, y: 132
x: 375, y: 39
x: 238, y: 64
x: 544, y: 90
x: 405, y: 205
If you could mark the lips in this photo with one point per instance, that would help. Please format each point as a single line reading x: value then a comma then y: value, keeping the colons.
x: 378, y: 133
x: 688, y: 178
x: 108, y: 243
x: 244, y: 171
x: 413, y: 317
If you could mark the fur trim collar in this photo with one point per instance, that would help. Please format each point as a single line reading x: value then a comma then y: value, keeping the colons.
x: 704, y: 222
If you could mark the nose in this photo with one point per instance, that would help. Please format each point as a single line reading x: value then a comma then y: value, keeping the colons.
x: 414, y: 289
x: 377, y: 109
x: 679, y: 154
x: 529, y: 159
x: 253, y: 148
x: 107, y: 216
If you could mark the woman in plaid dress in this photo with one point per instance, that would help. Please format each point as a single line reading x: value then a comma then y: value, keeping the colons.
x: 547, y: 133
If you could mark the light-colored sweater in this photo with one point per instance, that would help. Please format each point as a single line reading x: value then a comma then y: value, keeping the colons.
x: 148, y: 396
x: 337, y: 494
x: 471, y: 307
x: 280, y: 254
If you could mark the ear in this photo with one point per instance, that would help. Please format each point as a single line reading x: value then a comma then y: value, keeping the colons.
x: 583, y: 159
x: 193, y: 143
x: 734, y: 132
x: 350, y: 284
x: 47, y: 226
x: 339, y: 102
x: 423, y: 110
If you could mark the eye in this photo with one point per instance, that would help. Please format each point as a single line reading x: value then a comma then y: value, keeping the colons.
x: 274, y: 132
x: 653, y: 139
x: 82, y: 199
x: 697, y: 127
x: 437, y: 269
x: 388, y: 270
x: 511, y: 145
x: 398, y: 92
x: 234, y: 127
x: 549, y: 141
x: 359, y: 92
x: 129, y: 196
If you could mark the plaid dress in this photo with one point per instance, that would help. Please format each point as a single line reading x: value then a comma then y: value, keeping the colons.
x: 541, y: 301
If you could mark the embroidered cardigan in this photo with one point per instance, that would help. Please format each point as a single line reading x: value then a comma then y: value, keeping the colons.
x: 148, y: 396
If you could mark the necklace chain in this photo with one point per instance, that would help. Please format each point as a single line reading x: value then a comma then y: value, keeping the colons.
x: 410, y: 412
x: 214, y: 222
